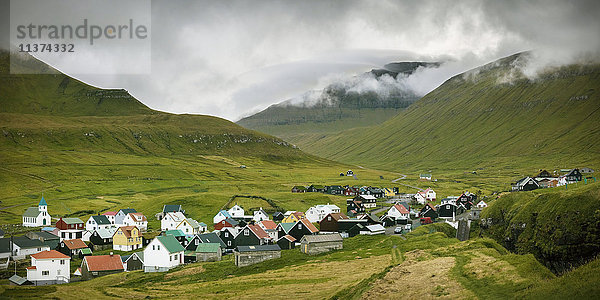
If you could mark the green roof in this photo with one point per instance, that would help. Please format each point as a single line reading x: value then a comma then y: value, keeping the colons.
x: 174, y: 232
x: 208, y: 247
x: 72, y: 220
x: 193, y: 223
x: 171, y: 243
x: 85, y: 251
x: 287, y: 226
x: 32, y: 212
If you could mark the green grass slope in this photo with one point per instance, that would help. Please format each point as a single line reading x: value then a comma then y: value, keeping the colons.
x: 561, y: 227
x: 488, y: 117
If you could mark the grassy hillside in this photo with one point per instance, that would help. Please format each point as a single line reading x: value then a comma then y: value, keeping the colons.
x: 491, y: 118
x: 340, y: 106
x: 561, y: 227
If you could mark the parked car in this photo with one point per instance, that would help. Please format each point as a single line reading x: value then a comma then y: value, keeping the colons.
x: 426, y: 220
x: 398, y: 230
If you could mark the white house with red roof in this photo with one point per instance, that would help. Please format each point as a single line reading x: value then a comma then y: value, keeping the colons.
x: 426, y: 195
x: 398, y: 212
x: 111, y: 216
x: 171, y: 220
x: 49, y: 267
x: 136, y: 219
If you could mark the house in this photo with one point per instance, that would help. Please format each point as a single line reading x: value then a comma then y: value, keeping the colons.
x: 178, y: 234
x: 270, y: 228
x: 189, y: 226
x: 425, y: 176
x: 163, y: 254
x: 543, y: 174
x: 574, y: 176
x: 467, y: 200
x: 317, y: 213
x: 398, y: 212
x: 368, y: 201
x: 345, y: 225
x: 330, y: 222
x: 278, y: 216
x: 47, y: 238
x: 127, y: 238
x: 388, y: 193
x: 169, y: 208
x: 98, y: 222
x: 136, y: 219
x: 298, y: 189
x: 371, y: 218
x: 283, y: 229
x: 229, y: 222
x: 430, y: 194
x: 37, y: 216
x: 121, y: 214
x: 447, y: 211
x: 428, y: 211
x: 134, y: 261
x: 315, y: 244
x: 5, y: 252
x: 302, y: 228
x: 373, y: 230
x: 236, y: 211
x: 220, y: 216
x: 171, y: 220
x: 351, y: 191
x: 545, y: 183
x: 373, y: 191
x: 211, y: 237
x: 349, y: 173
x: 334, y: 189
x: 251, y: 235
x: 102, y: 239
x: 354, y: 207
x: 49, y: 267
x: 260, y: 215
x: 287, y: 242
x: 482, y: 204
x: 293, y: 216
x: 111, y: 216
x: 208, y: 252
x: 70, y: 228
x: 525, y: 184
x: 315, y: 188
x: 227, y: 235
x: 586, y: 170
x: 449, y: 199
x: 419, y: 197
x: 71, y: 247
x: 22, y: 246
x: 249, y: 255
x: 100, y: 265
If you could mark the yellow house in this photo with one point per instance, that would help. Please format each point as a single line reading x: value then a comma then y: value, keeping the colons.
x: 388, y: 192
x: 293, y: 217
x: 127, y: 238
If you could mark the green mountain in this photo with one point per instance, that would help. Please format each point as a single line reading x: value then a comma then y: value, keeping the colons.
x: 54, y: 111
x: 491, y: 117
x: 339, y: 106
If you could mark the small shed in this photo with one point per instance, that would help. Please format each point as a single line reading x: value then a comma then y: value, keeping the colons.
x: 249, y: 255
x: 287, y: 242
x: 373, y: 229
x: 134, y: 262
x: 315, y: 244
x: 208, y: 252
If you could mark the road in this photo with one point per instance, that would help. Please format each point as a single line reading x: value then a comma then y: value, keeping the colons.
x: 404, y: 184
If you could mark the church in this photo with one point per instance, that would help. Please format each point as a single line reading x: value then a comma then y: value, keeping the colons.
x: 37, y: 216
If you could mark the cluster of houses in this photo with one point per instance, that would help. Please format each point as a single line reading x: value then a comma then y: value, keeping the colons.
x: 547, y: 180
x: 347, y: 190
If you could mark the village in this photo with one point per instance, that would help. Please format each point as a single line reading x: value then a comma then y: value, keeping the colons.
x: 251, y: 237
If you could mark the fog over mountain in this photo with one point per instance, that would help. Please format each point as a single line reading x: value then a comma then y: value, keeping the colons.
x: 234, y: 58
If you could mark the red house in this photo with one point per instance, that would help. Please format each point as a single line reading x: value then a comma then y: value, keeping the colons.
x: 351, y: 191
x: 330, y: 222
x: 70, y: 224
x: 229, y: 222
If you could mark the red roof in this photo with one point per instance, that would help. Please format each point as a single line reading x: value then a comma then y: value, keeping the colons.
x: 401, y: 208
x: 309, y: 225
x: 127, y: 230
x: 52, y: 254
x: 110, y: 213
x: 268, y: 224
x: 259, y: 232
x: 299, y: 215
x: 103, y: 262
x: 31, y: 268
x: 289, y: 238
x: 75, y: 244
x: 336, y: 216
x: 138, y: 217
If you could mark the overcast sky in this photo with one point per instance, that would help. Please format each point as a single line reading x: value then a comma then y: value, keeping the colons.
x: 232, y: 58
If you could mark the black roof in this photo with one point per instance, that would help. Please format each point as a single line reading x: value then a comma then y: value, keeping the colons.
x: 4, y: 245
x: 258, y: 248
x: 25, y: 242
x: 128, y: 210
x: 211, y: 238
x: 46, y: 235
x: 171, y: 208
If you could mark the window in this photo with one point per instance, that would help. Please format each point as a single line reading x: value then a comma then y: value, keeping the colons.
x: 299, y: 226
x: 157, y: 247
x: 45, y: 273
x: 228, y: 243
x: 153, y: 247
x: 246, y: 232
x: 196, y: 242
x: 226, y: 234
x: 62, y: 261
x: 170, y: 258
x: 329, y: 218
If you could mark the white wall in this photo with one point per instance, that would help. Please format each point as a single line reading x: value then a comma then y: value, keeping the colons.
x: 56, y: 270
